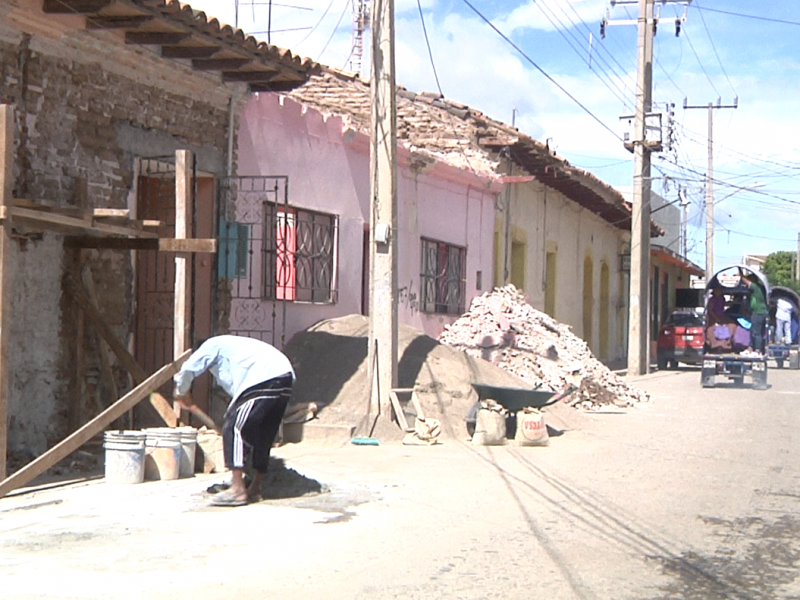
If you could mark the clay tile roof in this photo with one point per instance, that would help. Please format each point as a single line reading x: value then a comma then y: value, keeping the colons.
x: 465, y: 137
x: 182, y: 33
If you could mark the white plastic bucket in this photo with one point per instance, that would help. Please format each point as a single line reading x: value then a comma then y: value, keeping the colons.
x: 162, y: 453
x: 188, y: 450
x: 124, y: 456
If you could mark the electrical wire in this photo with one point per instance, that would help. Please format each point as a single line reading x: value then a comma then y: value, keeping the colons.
x: 744, y: 16
x: 699, y: 62
x: 317, y: 24
x: 335, y: 28
x: 714, y: 47
x: 428, y: 44
x: 620, y: 94
x: 542, y: 71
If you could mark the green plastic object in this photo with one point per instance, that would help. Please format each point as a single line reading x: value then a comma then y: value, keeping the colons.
x: 365, y: 441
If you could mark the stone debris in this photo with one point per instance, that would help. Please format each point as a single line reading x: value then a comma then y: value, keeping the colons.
x: 503, y: 328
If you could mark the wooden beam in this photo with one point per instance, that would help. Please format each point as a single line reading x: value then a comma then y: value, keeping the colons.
x: 155, y: 38
x: 117, y: 213
x: 74, y: 6
x: 194, y: 245
x: 123, y: 22
x: 184, y: 207
x: 53, y: 221
x: 219, y: 64
x: 74, y: 441
x: 125, y: 358
x: 249, y: 76
x: 275, y: 86
x: 105, y: 363
x: 6, y: 198
x: 189, y: 51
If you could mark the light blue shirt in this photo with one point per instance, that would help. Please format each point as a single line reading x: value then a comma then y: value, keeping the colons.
x: 237, y: 363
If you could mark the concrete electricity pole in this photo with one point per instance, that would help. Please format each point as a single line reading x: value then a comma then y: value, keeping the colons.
x: 710, y: 182
x: 638, y: 317
x: 382, y: 350
x: 638, y: 352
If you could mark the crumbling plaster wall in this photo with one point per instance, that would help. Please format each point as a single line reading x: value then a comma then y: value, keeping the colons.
x: 87, y: 107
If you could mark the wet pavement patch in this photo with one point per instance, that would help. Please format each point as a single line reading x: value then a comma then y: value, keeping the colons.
x: 756, y: 557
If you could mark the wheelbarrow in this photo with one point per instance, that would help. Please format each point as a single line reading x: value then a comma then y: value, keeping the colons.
x: 513, y: 400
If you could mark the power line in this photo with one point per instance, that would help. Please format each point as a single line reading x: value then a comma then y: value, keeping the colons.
x: 428, y: 44
x: 744, y: 16
x: 703, y: 19
x: 542, y: 71
x: 548, y: 13
x: 335, y: 27
x: 699, y: 62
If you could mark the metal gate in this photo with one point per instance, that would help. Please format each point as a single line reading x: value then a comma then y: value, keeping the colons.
x: 252, y: 257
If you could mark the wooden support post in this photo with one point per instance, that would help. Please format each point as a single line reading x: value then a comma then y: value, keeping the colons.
x: 125, y: 358
x: 74, y: 441
x: 105, y: 363
x: 6, y: 200
x: 184, y: 207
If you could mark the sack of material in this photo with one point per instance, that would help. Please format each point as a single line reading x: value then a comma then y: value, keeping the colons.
x: 721, y: 332
x: 490, y: 425
x: 741, y: 339
x: 531, y: 428
x: 426, y: 433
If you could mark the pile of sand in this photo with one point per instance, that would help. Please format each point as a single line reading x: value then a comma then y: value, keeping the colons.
x: 330, y: 359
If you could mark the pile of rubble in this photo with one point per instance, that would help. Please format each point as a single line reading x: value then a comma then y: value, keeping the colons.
x: 501, y: 327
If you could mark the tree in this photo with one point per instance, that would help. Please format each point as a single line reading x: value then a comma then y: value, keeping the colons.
x: 779, y: 271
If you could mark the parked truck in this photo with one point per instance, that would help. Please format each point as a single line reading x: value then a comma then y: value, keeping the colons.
x: 727, y: 348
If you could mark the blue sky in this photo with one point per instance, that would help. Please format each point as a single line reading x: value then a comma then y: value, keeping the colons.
x: 727, y: 51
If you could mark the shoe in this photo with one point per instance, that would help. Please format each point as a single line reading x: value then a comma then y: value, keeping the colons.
x: 222, y: 486
x: 227, y: 499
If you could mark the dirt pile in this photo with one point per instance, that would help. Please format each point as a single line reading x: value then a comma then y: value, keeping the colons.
x: 502, y: 328
x: 330, y: 360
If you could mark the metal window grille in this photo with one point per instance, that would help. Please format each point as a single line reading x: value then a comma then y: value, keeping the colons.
x: 443, y: 278
x: 299, y: 249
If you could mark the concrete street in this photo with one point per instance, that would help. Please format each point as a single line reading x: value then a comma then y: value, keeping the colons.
x: 694, y: 496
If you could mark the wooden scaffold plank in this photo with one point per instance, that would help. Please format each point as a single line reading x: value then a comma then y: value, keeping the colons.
x: 6, y: 199
x: 74, y: 441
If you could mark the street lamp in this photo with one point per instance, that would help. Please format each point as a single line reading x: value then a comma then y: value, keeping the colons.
x: 710, y: 225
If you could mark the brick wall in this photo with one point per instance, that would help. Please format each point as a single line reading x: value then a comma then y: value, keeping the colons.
x: 87, y: 107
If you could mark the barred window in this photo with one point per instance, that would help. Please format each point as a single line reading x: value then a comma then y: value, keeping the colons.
x: 443, y: 278
x: 299, y: 254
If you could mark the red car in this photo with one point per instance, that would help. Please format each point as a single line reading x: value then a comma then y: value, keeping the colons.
x: 680, y: 339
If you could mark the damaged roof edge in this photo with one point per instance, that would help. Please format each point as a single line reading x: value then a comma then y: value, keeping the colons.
x: 490, y: 136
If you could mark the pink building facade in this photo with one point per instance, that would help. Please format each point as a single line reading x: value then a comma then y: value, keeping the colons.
x: 446, y: 217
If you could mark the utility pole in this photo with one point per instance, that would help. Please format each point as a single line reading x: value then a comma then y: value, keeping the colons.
x: 797, y: 260
x: 638, y: 312
x: 638, y: 329
x: 710, y: 181
x: 383, y: 328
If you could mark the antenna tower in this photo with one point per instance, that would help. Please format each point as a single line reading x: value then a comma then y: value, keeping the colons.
x: 360, y: 24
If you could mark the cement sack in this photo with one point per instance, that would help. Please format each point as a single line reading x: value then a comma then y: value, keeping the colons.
x: 531, y: 428
x: 490, y: 425
x: 426, y: 433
